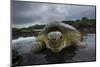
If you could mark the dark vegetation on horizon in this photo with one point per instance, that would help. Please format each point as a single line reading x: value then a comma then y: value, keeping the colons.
x: 84, y: 25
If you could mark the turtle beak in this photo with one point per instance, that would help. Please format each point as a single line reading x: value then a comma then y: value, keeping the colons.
x: 55, y: 50
x: 53, y: 44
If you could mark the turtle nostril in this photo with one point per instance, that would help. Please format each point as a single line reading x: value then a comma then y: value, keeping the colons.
x: 54, y: 39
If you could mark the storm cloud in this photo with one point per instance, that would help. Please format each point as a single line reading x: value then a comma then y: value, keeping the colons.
x: 30, y: 13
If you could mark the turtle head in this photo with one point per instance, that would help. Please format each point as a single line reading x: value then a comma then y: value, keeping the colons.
x: 55, y: 41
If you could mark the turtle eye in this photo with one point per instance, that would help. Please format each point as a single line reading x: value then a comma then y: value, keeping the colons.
x: 61, y: 37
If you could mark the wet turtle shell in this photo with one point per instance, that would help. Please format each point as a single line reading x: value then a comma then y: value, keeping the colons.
x: 70, y: 34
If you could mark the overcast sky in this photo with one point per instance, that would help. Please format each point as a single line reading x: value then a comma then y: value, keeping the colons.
x: 30, y: 13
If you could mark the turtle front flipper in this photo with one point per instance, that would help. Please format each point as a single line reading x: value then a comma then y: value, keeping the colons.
x: 81, y: 44
x: 37, y: 46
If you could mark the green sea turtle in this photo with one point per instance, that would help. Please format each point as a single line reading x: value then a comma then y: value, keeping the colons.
x: 56, y: 36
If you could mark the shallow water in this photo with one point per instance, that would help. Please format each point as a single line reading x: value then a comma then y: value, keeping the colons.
x: 72, y: 54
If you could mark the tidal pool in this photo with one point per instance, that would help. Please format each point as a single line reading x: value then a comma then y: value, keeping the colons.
x: 25, y: 56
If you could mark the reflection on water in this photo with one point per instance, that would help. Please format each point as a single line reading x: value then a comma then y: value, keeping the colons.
x: 71, y: 54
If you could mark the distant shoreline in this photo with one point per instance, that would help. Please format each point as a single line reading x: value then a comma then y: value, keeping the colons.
x: 85, y: 26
